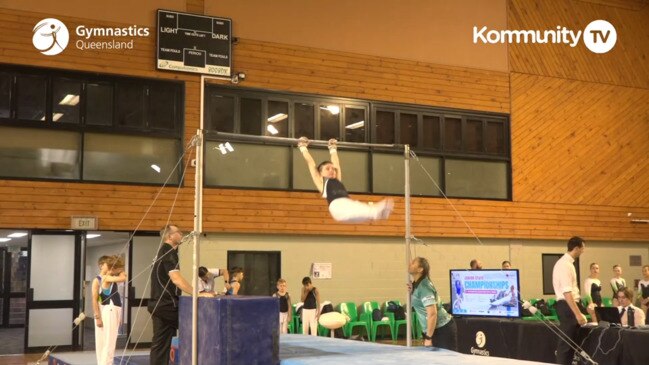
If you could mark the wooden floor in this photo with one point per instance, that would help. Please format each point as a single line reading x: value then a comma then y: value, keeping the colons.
x: 19, y: 359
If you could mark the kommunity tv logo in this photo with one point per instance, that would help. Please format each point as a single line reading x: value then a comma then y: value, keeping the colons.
x: 599, y: 36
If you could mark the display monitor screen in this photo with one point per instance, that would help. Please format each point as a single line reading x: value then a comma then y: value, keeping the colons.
x: 492, y: 293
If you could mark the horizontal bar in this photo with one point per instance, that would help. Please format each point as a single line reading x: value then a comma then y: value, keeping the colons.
x: 293, y: 141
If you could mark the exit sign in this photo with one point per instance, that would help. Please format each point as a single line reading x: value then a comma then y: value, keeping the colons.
x: 84, y: 223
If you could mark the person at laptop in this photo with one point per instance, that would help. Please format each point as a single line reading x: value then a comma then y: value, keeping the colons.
x: 630, y: 315
x: 566, y: 289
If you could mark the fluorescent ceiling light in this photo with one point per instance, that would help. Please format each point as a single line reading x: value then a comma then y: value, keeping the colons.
x: 70, y: 99
x: 17, y: 234
x: 156, y: 168
x: 56, y: 116
x: 271, y: 129
x: 277, y: 117
x: 333, y: 109
x: 93, y: 235
x: 5, y: 239
x: 356, y: 125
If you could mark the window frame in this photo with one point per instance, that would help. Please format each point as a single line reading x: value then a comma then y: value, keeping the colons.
x: 85, y: 78
x: 371, y: 108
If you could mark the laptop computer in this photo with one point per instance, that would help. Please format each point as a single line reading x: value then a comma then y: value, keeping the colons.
x: 608, y: 314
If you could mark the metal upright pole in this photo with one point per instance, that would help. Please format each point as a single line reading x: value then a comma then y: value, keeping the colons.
x: 198, y: 225
x: 406, y: 155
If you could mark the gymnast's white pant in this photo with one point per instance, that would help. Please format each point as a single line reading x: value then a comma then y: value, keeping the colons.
x: 283, y: 322
x: 309, y: 321
x: 352, y: 211
x: 106, y: 336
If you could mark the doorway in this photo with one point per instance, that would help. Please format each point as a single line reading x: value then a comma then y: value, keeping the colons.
x: 261, y: 269
x: 14, y: 260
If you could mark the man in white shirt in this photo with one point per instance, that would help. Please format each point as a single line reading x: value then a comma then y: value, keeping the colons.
x: 630, y: 315
x: 206, y: 279
x: 566, y: 289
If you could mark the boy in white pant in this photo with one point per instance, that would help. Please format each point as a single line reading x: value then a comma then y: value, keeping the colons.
x: 284, y: 306
x: 327, y: 178
x: 107, y: 306
x: 311, y: 307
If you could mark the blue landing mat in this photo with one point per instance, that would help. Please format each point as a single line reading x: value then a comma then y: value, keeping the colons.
x: 310, y: 350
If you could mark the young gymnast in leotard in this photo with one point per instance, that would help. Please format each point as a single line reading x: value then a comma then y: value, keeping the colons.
x: 327, y: 178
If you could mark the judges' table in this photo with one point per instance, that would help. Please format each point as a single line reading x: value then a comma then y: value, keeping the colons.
x: 533, y: 340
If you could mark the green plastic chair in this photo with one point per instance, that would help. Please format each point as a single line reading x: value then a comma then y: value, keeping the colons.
x: 349, y: 309
x: 607, y: 302
x: 374, y: 326
x: 415, y: 326
x: 396, y: 323
x: 552, y: 305
x: 297, y: 321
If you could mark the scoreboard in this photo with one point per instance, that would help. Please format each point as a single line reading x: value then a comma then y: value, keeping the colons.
x: 194, y: 43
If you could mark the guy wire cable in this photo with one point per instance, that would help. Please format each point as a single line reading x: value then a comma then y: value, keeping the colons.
x: 82, y: 316
x: 563, y: 336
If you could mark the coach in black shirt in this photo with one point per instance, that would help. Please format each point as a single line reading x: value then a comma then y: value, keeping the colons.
x: 166, y: 286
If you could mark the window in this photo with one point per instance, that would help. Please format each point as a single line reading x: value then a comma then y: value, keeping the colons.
x: 466, y: 154
x: 118, y: 127
x: 220, y: 113
x: 384, y: 127
x: 408, y: 126
x: 355, y: 122
x: 118, y: 158
x: 495, y: 138
x: 65, y: 101
x: 452, y: 134
x: 30, y: 97
x: 39, y: 153
x: 304, y: 120
x: 99, y: 104
x: 430, y: 132
x: 329, y: 121
x: 163, y: 107
x: 390, y: 177
x: 277, y: 121
x: 5, y: 95
x: 473, y: 136
x: 250, y: 165
x: 250, y: 116
x: 130, y: 105
x: 476, y: 179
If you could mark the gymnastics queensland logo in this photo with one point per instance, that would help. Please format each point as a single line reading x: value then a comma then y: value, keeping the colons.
x: 480, y: 341
x: 50, y: 36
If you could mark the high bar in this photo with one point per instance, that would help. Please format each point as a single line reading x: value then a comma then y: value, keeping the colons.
x: 293, y: 141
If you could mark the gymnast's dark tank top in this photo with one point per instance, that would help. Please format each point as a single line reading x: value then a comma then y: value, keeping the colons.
x: 283, y: 302
x: 334, y: 189
x: 109, y: 294
x: 595, y: 293
x: 310, y: 301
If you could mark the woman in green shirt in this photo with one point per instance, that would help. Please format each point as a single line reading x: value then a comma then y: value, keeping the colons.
x: 439, y: 327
